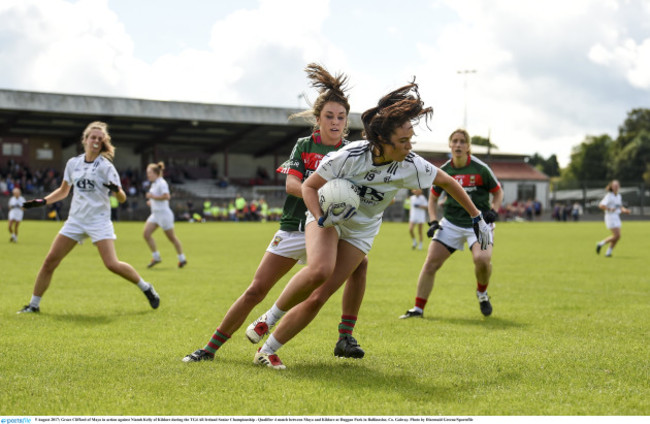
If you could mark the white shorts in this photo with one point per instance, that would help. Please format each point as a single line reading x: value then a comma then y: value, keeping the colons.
x: 612, y: 221
x: 97, y: 231
x: 289, y: 244
x: 163, y: 219
x: 455, y: 237
x: 417, y: 220
x: 16, y: 214
x: 362, y: 239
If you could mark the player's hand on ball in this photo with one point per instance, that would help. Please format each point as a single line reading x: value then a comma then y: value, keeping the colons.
x: 112, y: 187
x: 36, y: 203
x: 329, y: 219
x: 491, y: 216
x: 482, y: 231
x: 433, y: 226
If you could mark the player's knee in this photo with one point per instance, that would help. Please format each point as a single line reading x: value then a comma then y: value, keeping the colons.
x: 50, y: 264
x: 254, y: 294
x: 432, y: 266
x: 318, y: 273
x: 316, y: 301
x: 113, y: 266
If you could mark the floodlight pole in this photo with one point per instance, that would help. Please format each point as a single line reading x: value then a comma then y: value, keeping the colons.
x: 465, y: 72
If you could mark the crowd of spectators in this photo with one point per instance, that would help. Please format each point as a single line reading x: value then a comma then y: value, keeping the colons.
x: 30, y: 182
x: 520, y: 210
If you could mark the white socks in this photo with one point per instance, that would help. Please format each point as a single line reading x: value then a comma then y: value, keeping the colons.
x: 143, y: 285
x: 273, y: 315
x: 156, y: 255
x: 181, y: 257
x: 36, y: 301
x: 271, y: 345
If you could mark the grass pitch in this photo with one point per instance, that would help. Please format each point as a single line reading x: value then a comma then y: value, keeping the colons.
x: 568, y: 336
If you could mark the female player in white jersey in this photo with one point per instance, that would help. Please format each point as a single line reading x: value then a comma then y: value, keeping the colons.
x: 379, y: 167
x: 417, y: 216
x: 93, y: 176
x: 15, y: 213
x: 612, y: 204
x: 287, y: 248
x: 161, y: 214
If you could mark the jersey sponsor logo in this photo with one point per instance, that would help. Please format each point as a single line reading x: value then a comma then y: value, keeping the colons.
x: 370, y: 194
x: 85, y: 184
x: 311, y: 160
x: 469, y: 180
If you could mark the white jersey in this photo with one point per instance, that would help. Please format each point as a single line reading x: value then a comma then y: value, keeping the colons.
x: 377, y: 184
x: 613, y: 203
x: 417, y: 214
x: 16, y: 208
x: 90, y: 199
x: 16, y: 202
x: 158, y: 188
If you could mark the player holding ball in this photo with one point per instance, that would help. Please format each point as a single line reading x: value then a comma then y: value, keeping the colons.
x: 378, y: 166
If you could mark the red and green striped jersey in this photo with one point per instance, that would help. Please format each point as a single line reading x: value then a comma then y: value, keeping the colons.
x: 478, y: 180
x: 304, y: 159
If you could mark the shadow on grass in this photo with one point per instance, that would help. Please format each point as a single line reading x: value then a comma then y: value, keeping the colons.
x: 96, y: 319
x: 493, y: 323
x: 360, y: 376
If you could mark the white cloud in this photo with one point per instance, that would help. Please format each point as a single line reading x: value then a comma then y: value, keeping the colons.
x: 58, y: 46
x: 628, y: 58
x: 547, y: 72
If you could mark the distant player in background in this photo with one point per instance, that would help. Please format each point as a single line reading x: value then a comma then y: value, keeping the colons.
x: 330, y: 113
x: 15, y: 213
x: 93, y: 177
x: 161, y: 215
x: 417, y: 216
x: 612, y: 204
x: 455, y: 228
x: 379, y: 166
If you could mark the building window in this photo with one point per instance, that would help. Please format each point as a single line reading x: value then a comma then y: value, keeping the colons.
x: 526, y: 191
x: 44, y: 154
x: 12, y: 149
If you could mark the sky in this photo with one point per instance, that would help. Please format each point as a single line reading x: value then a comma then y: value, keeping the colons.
x: 533, y: 76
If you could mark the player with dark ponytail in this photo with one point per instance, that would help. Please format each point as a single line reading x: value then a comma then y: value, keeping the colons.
x: 379, y: 166
x: 329, y: 116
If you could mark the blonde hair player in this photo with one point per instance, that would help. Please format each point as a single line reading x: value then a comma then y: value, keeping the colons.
x: 93, y: 177
x: 612, y: 205
x: 161, y: 215
x: 417, y: 216
x: 15, y: 213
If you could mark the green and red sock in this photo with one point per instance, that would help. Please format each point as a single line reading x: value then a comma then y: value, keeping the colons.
x: 217, y: 340
x: 346, y: 327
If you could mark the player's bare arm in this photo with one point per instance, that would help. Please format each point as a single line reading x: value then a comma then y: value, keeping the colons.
x: 294, y: 186
x: 310, y: 194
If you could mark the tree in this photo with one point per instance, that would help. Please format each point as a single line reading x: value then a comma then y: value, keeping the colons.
x: 631, y: 162
x: 549, y: 166
x: 590, y: 159
x: 637, y: 120
x: 477, y: 140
